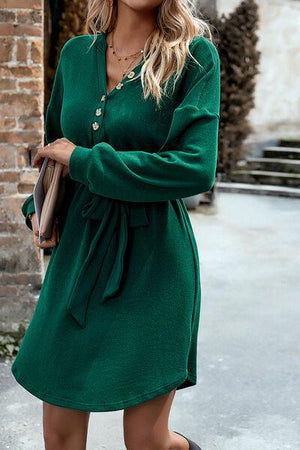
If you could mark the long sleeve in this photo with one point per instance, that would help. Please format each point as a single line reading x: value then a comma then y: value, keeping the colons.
x: 52, y: 131
x: 185, y: 165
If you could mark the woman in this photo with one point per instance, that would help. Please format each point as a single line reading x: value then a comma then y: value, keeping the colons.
x: 117, y: 319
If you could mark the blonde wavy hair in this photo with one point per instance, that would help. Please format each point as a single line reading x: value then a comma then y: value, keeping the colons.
x: 167, y: 47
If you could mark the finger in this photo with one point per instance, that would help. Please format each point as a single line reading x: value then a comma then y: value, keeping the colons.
x: 42, y: 153
x: 38, y: 244
x: 50, y: 242
x: 36, y: 161
x: 34, y: 224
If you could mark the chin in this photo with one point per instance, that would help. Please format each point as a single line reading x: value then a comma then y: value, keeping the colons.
x: 141, y: 5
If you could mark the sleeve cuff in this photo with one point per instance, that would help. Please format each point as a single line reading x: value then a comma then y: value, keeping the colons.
x: 27, y: 209
x: 78, y: 164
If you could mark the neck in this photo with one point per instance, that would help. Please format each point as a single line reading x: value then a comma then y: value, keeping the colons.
x: 132, y: 28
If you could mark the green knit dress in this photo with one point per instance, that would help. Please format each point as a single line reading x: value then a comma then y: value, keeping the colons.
x: 117, y: 318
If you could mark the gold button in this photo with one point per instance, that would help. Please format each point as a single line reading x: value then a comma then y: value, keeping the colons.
x: 95, y: 126
x: 131, y: 74
x: 98, y: 112
x: 119, y: 85
x: 102, y: 98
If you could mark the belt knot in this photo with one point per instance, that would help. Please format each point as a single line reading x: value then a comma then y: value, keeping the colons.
x: 114, y: 216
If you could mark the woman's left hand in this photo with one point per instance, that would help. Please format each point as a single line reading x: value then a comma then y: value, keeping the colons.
x: 60, y: 150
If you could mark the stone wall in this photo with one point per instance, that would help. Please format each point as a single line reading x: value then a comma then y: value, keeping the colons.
x: 21, y: 133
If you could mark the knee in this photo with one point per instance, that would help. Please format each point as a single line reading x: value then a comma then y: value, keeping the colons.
x: 54, y: 439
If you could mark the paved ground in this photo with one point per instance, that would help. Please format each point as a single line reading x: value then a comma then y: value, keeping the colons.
x: 247, y: 397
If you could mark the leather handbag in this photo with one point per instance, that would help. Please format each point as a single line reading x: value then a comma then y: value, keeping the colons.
x: 48, y: 194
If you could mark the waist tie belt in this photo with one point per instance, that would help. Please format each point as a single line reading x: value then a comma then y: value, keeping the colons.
x: 115, y: 217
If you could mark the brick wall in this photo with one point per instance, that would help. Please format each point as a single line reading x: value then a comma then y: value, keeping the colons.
x: 21, y: 133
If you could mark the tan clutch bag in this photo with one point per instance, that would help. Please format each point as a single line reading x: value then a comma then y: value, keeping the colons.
x: 48, y: 193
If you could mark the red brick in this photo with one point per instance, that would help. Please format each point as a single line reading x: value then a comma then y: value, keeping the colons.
x: 20, y: 72
x: 8, y: 156
x: 30, y: 4
x: 29, y: 122
x: 20, y: 103
x: 6, y: 45
x: 22, y: 50
x: 29, y: 17
x: 7, y: 123
x: 10, y: 189
x: 8, y: 84
x: 8, y: 29
x: 16, y: 110
x: 23, y: 156
x: 32, y: 85
x: 7, y: 16
x: 32, y: 137
x: 37, y: 51
x: 10, y: 176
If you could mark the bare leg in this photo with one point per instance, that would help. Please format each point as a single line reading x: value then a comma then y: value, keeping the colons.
x: 146, y: 426
x: 64, y: 428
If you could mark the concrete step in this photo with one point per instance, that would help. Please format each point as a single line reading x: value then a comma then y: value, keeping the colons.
x: 273, y: 164
x: 289, y: 142
x: 260, y: 189
x: 281, y: 152
x: 266, y: 177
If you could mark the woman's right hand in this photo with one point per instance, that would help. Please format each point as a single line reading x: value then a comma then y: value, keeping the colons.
x: 54, y: 239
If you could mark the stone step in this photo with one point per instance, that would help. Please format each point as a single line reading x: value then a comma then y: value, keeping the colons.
x: 260, y: 189
x: 289, y: 142
x: 273, y: 164
x: 281, y: 152
x: 266, y: 177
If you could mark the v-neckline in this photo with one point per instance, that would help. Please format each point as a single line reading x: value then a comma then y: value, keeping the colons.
x: 103, y: 66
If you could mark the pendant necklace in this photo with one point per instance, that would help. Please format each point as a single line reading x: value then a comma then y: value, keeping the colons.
x: 119, y: 58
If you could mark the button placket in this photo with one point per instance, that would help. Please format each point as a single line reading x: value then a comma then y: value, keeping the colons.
x: 102, y: 46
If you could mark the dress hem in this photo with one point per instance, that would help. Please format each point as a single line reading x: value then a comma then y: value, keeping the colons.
x: 182, y: 382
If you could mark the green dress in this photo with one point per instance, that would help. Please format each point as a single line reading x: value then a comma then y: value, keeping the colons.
x: 117, y: 317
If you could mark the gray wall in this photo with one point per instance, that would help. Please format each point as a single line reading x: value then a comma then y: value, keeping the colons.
x: 277, y: 97
x: 208, y: 6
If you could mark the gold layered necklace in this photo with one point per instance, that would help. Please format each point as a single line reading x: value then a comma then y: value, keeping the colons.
x: 126, y: 57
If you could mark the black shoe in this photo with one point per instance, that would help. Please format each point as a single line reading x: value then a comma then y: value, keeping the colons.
x: 193, y: 445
